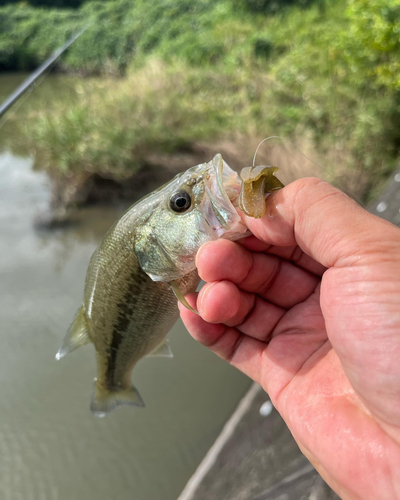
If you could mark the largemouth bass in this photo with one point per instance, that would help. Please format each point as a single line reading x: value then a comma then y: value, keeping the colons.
x: 147, y: 260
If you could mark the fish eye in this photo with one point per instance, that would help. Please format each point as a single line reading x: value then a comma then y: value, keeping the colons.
x: 180, y: 202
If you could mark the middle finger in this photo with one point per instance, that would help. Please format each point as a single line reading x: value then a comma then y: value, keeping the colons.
x: 268, y: 276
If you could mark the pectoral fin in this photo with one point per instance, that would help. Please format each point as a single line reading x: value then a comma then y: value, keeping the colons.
x: 256, y: 182
x: 77, y: 335
x: 162, y: 351
x: 179, y: 295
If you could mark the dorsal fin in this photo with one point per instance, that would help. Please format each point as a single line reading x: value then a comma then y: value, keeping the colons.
x: 77, y: 335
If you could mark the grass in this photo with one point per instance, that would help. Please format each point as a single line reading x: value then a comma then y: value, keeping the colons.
x: 325, y: 76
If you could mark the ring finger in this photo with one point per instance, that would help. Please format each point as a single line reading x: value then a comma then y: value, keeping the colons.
x: 223, y: 302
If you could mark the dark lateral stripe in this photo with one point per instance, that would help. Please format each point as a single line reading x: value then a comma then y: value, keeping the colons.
x: 125, y: 308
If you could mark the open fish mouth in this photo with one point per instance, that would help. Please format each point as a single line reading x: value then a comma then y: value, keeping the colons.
x: 227, y: 191
x: 222, y: 189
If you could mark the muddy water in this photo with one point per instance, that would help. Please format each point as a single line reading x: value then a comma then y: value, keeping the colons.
x: 51, y: 447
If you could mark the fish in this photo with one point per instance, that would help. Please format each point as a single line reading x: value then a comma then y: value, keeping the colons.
x: 147, y: 261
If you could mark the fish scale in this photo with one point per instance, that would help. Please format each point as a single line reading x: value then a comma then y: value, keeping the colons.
x: 124, y: 331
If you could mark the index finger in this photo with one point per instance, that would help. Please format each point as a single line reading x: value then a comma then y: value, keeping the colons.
x: 326, y: 224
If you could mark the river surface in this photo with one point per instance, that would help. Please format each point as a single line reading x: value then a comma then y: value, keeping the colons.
x: 51, y: 447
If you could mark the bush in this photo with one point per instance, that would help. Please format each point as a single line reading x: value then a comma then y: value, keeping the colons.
x: 28, y: 36
x: 116, y: 125
x: 331, y: 75
x: 47, y: 3
x: 272, y: 6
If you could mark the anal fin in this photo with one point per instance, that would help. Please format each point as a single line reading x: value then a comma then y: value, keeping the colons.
x: 163, y: 350
x: 105, y: 400
x: 77, y: 335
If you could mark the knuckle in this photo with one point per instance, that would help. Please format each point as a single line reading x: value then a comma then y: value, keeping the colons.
x: 312, y: 194
x: 311, y: 189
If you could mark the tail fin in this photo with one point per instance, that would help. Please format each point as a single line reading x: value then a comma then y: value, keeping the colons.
x: 77, y: 335
x: 106, y: 400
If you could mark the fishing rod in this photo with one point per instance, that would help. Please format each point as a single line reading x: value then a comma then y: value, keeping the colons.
x: 38, y: 73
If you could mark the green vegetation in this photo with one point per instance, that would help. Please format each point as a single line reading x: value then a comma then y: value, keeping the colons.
x: 47, y: 3
x: 186, y: 72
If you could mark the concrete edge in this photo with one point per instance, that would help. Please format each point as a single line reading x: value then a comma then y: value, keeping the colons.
x: 212, y: 454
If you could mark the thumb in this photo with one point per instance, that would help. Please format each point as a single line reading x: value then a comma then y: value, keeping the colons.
x: 326, y: 224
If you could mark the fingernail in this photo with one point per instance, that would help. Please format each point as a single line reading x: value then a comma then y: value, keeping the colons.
x: 202, y: 295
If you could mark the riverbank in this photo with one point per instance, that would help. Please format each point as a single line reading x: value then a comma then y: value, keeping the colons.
x: 140, y: 169
x: 173, y: 77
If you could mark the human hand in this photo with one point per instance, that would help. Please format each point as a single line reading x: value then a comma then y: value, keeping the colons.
x: 309, y: 307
